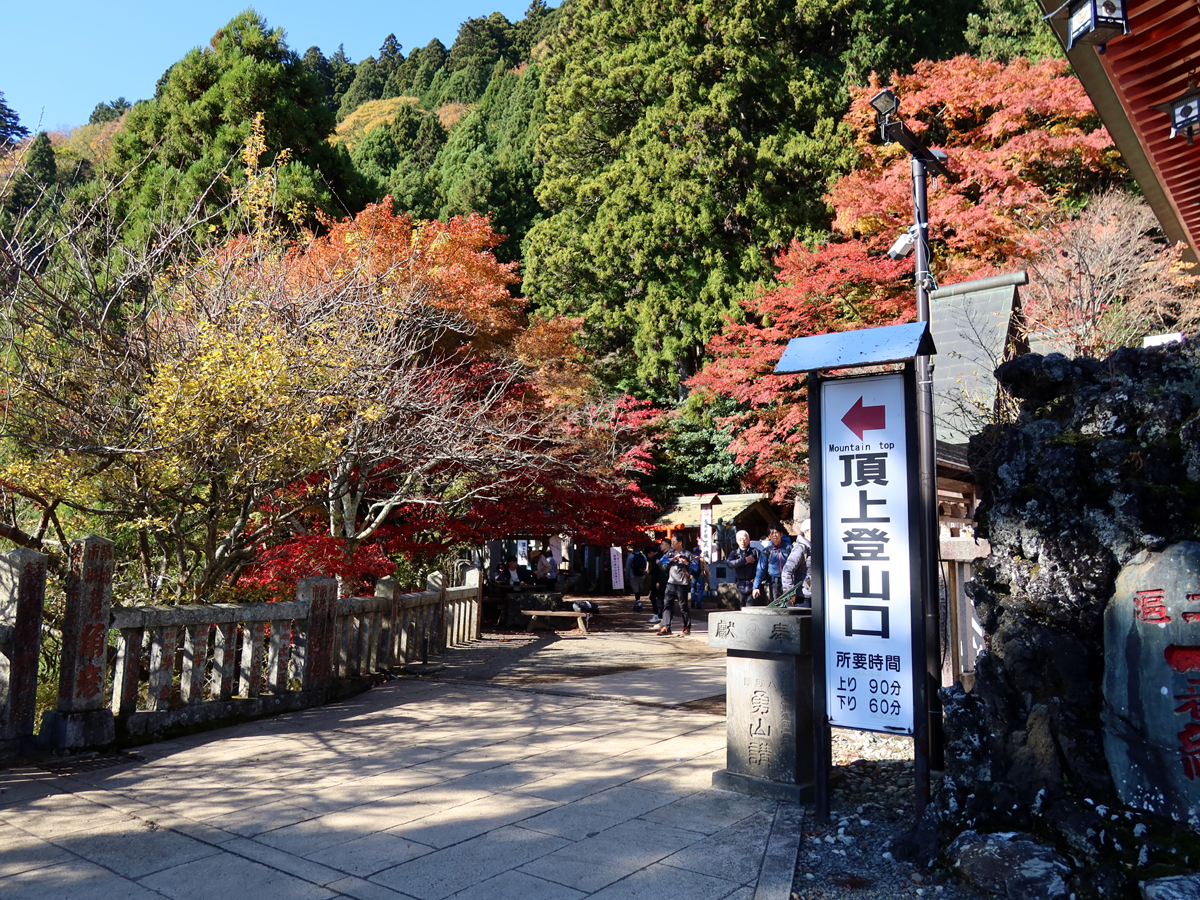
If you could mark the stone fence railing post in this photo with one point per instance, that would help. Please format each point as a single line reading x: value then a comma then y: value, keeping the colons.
x: 321, y: 595
x: 436, y: 581
x: 388, y: 647
x: 474, y: 578
x: 82, y: 719
x: 22, y: 596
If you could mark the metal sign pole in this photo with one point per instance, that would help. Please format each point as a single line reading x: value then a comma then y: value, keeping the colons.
x: 822, y: 737
x: 931, y: 627
x: 917, y: 554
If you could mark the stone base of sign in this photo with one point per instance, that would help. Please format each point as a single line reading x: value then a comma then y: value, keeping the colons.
x: 768, y: 702
x: 92, y: 728
x: 724, y: 780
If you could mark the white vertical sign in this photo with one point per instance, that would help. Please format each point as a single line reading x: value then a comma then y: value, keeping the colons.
x: 618, y: 568
x: 706, y: 534
x: 867, y: 572
x: 522, y: 553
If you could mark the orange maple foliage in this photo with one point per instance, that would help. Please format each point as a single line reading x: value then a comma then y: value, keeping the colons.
x: 1023, y: 137
x: 1026, y: 141
x: 448, y: 265
x: 548, y: 461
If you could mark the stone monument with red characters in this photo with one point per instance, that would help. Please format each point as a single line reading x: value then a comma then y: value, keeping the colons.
x: 1152, y: 682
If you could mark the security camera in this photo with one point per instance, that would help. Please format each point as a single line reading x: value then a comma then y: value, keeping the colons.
x: 903, y: 245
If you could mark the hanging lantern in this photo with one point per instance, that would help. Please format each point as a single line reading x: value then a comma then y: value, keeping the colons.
x: 1184, y: 111
x: 1095, y: 22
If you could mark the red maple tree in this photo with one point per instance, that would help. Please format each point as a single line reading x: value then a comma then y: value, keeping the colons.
x: 1028, y: 146
x: 553, y: 454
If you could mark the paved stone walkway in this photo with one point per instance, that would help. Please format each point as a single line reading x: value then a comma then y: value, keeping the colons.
x: 424, y: 789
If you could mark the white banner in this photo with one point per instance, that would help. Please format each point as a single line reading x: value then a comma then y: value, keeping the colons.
x: 522, y: 553
x: 618, y: 568
x: 867, y: 577
x: 706, y: 534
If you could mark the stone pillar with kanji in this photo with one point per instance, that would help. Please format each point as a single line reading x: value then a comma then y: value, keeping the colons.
x: 1152, y: 681
x: 768, y: 702
x: 22, y: 596
x: 82, y: 718
x: 321, y: 596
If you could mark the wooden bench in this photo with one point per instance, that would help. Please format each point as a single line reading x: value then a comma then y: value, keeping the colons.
x: 535, y: 614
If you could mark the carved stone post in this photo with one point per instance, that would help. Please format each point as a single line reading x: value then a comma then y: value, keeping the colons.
x: 321, y: 595
x: 389, y: 642
x: 81, y: 719
x: 22, y: 595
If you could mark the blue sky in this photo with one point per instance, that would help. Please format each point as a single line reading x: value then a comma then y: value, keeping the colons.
x: 58, y: 61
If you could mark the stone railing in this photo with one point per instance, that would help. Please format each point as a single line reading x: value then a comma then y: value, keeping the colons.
x: 134, y: 672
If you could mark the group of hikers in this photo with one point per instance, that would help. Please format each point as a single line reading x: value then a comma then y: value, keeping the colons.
x: 764, y: 571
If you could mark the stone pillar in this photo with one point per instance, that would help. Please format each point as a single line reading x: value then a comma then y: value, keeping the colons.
x: 82, y: 719
x: 22, y: 595
x: 436, y: 581
x: 321, y: 595
x: 768, y: 702
x: 389, y: 588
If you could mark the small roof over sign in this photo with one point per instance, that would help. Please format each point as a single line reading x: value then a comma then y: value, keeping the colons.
x: 708, y: 499
x: 865, y: 347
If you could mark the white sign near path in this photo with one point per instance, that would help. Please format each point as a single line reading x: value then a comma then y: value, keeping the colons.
x: 867, y: 572
x: 618, y: 568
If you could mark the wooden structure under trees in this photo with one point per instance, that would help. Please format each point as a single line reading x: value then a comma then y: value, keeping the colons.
x: 752, y: 512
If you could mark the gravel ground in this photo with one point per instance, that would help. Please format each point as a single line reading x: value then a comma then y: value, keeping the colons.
x: 871, y: 805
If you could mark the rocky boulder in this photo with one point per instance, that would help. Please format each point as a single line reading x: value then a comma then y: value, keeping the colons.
x: 1011, y: 865
x: 1101, y: 464
x: 1179, y: 887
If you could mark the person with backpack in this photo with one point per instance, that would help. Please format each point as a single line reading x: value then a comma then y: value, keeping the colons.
x: 768, y: 580
x: 744, y: 561
x: 797, y: 571
x: 662, y: 569
x: 636, y: 566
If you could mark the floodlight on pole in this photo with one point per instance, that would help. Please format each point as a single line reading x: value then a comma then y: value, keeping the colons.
x: 886, y: 103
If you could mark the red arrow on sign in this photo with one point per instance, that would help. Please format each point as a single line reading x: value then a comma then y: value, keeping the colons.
x: 861, y: 419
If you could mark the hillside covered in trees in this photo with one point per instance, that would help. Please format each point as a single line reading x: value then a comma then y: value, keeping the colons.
x: 673, y: 188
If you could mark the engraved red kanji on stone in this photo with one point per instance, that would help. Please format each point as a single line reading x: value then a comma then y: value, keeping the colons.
x: 1151, y: 607
x: 1189, y: 749
x: 89, y: 682
x: 96, y: 596
x: 92, y: 641
x: 1190, y: 700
